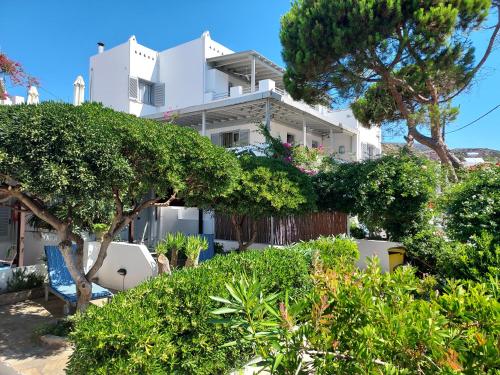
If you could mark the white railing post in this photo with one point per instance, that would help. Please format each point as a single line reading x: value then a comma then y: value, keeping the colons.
x: 203, y: 123
x: 252, y: 77
x: 304, y: 132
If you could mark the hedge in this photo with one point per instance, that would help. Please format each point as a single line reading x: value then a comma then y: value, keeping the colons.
x: 164, y: 325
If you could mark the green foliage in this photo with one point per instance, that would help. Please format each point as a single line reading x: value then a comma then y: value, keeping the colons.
x: 163, y: 325
x: 476, y: 260
x: 73, y: 158
x: 391, y: 193
x: 368, y: 322
x: 268, y: 187
x: 22, y: 279
x: 173, y: 242
x: 194, y: 245
x: 308, y: 160
x: 61, y: 327
x: 473, y: 205
x: 330, y: 44
x: 397, y: 60
x: 334, y: 252
x: 356, y: 231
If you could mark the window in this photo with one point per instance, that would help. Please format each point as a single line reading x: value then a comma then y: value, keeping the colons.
x: 145, y: 92
x: 230, y: 139
x: 315, y: 144
x: 341, y: 150
x: 290, y: 138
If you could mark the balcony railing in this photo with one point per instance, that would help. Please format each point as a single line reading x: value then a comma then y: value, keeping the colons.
x: 247, y: 90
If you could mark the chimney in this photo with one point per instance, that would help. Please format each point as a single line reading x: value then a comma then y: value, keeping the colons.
x: 100, y: 47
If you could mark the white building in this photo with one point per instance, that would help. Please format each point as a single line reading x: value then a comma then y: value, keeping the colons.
x: 223, y: 94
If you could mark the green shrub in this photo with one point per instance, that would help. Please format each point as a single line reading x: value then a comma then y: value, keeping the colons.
x: 356, y: 231
x: 392, y: 193
x: 430, y: 252
x: 366, y: 322
x: 333, y: 251
x: 22, y: 279
x: 473, y: 205
x: 163, y: 325
x: 424, y: 248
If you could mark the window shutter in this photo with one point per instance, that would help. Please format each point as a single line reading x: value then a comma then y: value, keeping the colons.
x: 133, y: 88
x: 159, y: 94
x: 215, y: 139
x: 4, y: 221
x: 244, y: 139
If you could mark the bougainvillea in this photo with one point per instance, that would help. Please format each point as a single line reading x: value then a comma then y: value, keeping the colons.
x: 16, y: 74
x: 306, y: 159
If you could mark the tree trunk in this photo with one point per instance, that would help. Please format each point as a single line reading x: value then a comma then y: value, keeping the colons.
x: 163, y: 265
x: 192, y: 262
x: 174, y: 257
x: 238, y: 227
x: 445, y: 155
x: 72, y: 260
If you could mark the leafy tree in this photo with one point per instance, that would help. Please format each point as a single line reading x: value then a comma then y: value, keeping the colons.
x: 391, y: 193
x: 473, y: 205
x: 399, y: 60
x: 77, y: 166
x: 267, y: 187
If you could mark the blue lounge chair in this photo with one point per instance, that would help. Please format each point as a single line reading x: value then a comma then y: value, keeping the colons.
x: 61, y: 283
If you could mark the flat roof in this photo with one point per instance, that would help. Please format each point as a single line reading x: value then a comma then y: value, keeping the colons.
x: 239, y: 64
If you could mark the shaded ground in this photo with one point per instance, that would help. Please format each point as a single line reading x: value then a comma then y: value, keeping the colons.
x: 21, y: 351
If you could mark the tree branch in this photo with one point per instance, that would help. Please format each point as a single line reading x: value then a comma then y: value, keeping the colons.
x: 35, y: 207
x: 487, y: 52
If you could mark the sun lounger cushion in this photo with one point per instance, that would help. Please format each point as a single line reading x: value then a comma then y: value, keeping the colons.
x: 60, y: 279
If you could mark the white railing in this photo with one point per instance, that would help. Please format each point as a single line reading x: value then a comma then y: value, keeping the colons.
x: 248, y: 89
x: 220, y: 95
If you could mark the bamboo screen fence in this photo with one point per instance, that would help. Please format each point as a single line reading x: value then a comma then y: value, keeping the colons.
x: 286, y: 230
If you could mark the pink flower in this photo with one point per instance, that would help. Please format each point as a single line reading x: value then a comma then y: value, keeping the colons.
x: 287, y: 145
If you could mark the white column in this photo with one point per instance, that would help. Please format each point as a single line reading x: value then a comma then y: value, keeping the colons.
x: 203, y: 123
x: 252, y: 76
x: 267, y: 118
x: 304, y: 132
x: 332, y: 142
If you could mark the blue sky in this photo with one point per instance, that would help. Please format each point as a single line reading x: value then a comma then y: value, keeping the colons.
x: 54, y: 40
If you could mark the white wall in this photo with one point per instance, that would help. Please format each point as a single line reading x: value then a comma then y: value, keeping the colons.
x: 136, y: 259
x: 34, y: 245
x: 109, y: 75
x: 185, y: 220
x: 372, y: 248
x: 181, y: 69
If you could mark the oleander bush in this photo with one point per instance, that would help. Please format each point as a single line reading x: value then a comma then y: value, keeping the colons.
x: 366, y: 322
x: 163, y: 325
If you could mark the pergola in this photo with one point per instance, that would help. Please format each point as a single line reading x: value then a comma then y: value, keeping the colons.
x: 249, y: 66
x: 257, y: 107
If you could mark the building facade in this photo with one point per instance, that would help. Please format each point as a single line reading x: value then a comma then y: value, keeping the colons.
x: 223, y: 94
